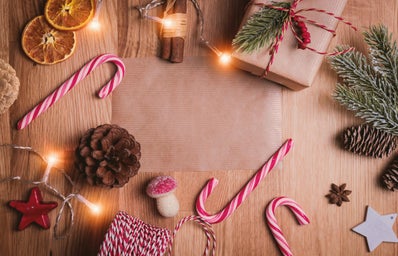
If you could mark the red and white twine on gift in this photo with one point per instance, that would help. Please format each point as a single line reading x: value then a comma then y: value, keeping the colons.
x: 273, y: 225
x: 294, y: 17
x: 128, y: 235
x: 243, y: 193
x: 72, y: 81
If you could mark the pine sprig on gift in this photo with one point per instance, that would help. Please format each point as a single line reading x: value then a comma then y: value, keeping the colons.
x: 370, y: 87
x: 261, y: 28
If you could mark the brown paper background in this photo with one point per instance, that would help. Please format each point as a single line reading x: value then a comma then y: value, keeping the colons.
x: 292, y: 67
x: 198, y: 116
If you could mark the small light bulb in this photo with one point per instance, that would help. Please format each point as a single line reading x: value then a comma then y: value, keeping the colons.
x: 52, y: 159
x: 225, y: 58
x: 94, y: 24
x: 95, y: 209
x: 167, y: 23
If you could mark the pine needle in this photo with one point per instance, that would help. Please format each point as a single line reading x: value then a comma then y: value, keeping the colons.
x: 383, y: 52
x: 261, y: 29
x: 370, y: 86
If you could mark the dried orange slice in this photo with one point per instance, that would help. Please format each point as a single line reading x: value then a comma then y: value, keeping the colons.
x: 45, y: 44
x: 69, y: 14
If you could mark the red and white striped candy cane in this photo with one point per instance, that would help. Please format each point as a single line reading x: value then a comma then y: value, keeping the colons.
x: 72, y: 81
x: 243, y: 193
x: 273, y: 225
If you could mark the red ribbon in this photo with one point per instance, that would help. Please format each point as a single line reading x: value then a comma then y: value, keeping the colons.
x: 294, y: 14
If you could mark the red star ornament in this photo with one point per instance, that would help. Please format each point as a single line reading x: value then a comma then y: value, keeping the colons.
x: 34, y: 210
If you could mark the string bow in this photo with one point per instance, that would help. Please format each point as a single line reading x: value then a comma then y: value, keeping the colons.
x: 297, y: 22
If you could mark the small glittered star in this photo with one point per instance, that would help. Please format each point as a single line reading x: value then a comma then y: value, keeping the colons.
x: 34, y: 210
x: 377, y: 228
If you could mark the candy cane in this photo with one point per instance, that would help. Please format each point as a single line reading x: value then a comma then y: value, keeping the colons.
x: 273, y: 225
x: 243, y: 193
x: 72, y: 81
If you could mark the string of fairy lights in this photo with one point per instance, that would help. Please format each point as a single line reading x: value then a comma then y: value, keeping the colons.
x: 168, y: 22
x: 51, y: 160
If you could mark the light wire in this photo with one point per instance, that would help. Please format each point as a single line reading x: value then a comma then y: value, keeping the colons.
x: 65, y: 199
x: 143, y: 10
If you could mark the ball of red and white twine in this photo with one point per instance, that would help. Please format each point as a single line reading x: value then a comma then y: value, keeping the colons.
x: 72, y: 81
x: 273, y: 225
x: 128, y: 235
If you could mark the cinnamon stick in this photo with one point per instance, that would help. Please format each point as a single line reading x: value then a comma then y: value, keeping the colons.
x: 177, y: 43
x: 173, y: 48
x: 166, y: 48
x: 166, y: 45
x: 177, y: 49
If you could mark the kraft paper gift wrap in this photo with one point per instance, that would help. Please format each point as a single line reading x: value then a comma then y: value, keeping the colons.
x: 293, y: 67
x: 198, y: 116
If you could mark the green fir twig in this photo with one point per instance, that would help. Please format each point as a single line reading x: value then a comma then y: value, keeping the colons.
x: 370, y: 85
x: 383, y: 53
x: 261, y: 28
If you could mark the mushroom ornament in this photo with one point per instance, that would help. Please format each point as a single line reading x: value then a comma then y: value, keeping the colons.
x: 162, y: 189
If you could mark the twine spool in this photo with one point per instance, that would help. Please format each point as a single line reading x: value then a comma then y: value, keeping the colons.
x: 128, y: 235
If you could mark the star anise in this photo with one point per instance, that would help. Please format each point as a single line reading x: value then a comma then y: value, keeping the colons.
x: 338, y: 194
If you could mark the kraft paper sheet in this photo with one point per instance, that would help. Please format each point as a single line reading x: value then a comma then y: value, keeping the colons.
x: 197, y: 115
x: 292, y: 67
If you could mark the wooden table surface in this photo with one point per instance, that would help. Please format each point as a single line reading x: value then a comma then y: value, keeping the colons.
x: 310, y: 117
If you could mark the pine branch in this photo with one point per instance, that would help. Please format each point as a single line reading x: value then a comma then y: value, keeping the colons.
x: 373, y: 110
x: 370, y: 88
x: 261, y: 28
x: 383, y: 52
x: 355, y: 71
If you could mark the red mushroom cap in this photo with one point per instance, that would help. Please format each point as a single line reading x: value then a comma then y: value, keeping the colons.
x: 161, y: 186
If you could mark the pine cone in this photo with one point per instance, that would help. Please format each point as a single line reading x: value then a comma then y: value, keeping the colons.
x: 369, y: 141
x: 108, y: 156
x: 390, y: 176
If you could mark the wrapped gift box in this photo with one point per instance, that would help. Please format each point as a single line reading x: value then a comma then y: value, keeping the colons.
x: 293, y: 67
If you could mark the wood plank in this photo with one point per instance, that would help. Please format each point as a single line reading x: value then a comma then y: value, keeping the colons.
x: 310, y: 117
